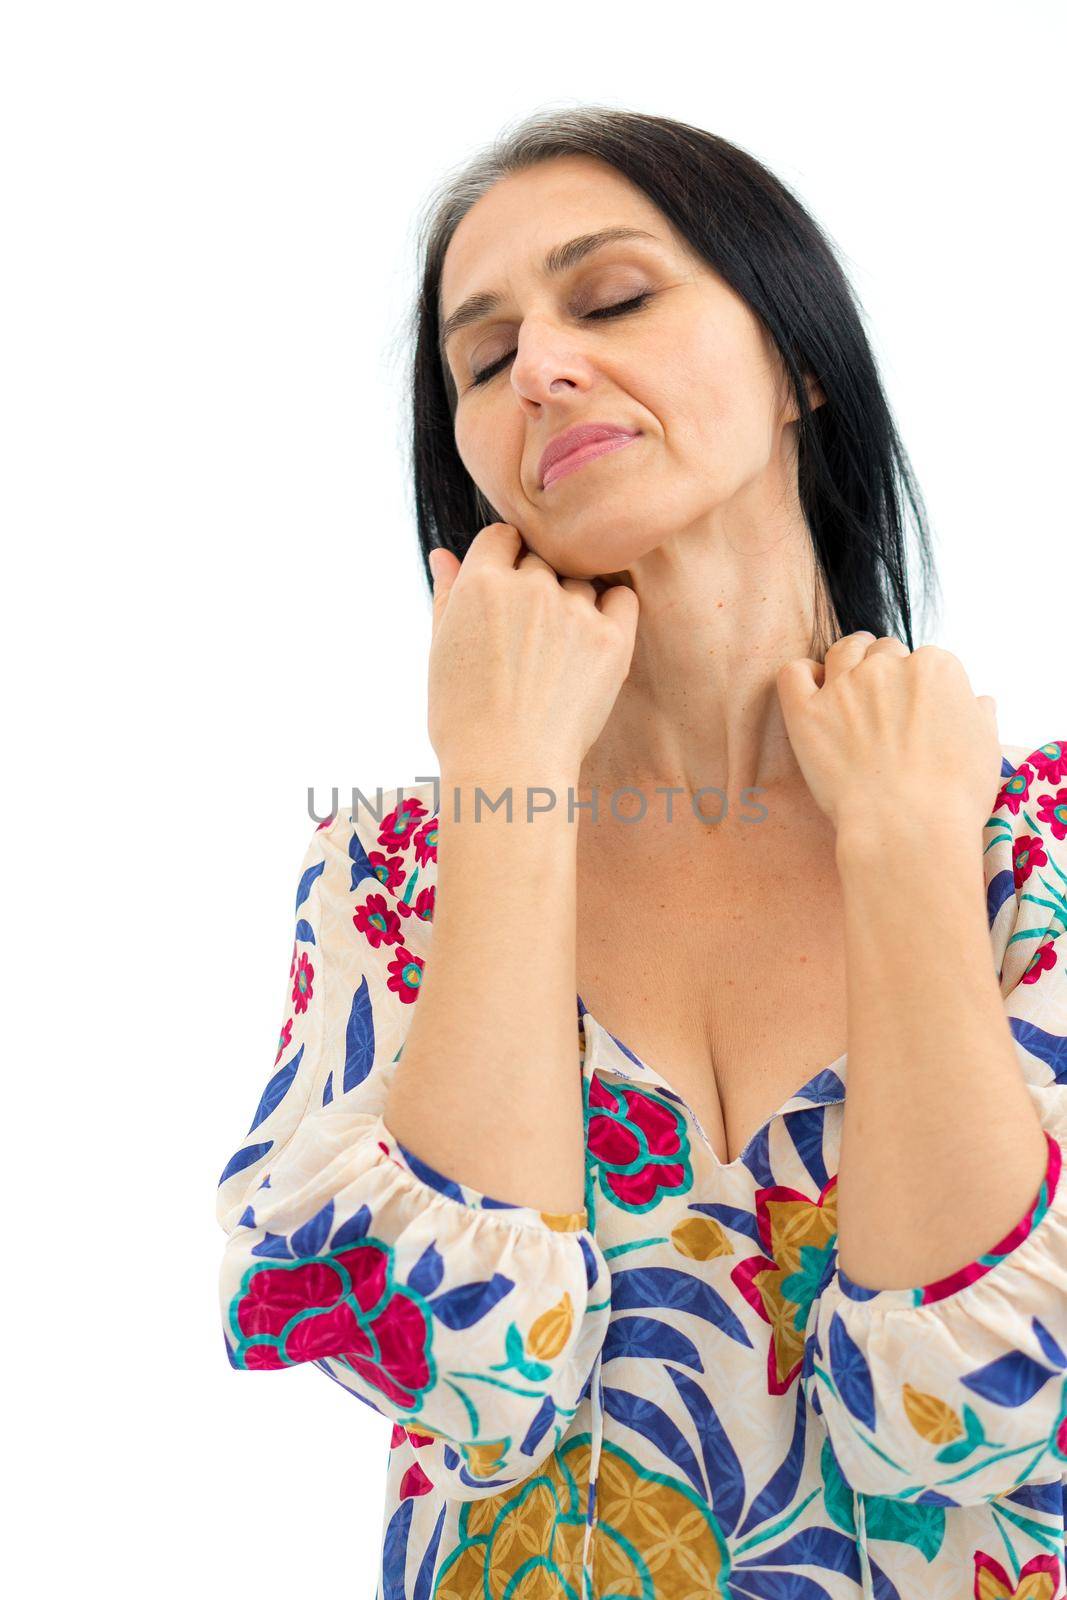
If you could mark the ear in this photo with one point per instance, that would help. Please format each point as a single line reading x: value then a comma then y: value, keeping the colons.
x: 816, y: 398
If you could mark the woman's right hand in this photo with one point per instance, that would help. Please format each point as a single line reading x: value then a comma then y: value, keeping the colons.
x: 524, y: 665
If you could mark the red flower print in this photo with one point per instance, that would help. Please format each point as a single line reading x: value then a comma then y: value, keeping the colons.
x: 292, y: 964
x: 797, y: 1235
x: 378, y: 922
x: 1028, y: 852
x: 1054, y: 812
x: 426, y: 842
x: 285, y: 1038
x: 1039, y: 1579
x: 302, y: 990
x: 423, y: 906
x: 641, y: 1145
x: 1015, y: 791
x: 389, y: 870
x: 1042, y: 960
x: 397, y: 827
x: 405, y: 975
x: 1050, y: 761
x: 327, y: 824
x: 333, y: 1306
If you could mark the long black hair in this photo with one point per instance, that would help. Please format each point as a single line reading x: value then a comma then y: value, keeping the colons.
x: 856, y: 485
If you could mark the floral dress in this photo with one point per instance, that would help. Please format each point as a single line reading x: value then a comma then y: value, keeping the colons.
x: 675, y: 1392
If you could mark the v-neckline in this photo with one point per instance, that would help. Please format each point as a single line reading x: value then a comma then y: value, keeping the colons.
x: 824, y: 1087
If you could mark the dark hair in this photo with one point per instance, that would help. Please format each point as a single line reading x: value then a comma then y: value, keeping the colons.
x: 855, y: 481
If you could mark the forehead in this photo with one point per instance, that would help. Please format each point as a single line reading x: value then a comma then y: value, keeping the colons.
x: 511, y: 227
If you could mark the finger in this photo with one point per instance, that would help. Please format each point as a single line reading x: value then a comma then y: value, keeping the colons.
x: 581, y: 586
x: 444, y: 568
x: 495, y: 545
x: 846, y: 652
x: 798, y: 680
x: 621, y: 602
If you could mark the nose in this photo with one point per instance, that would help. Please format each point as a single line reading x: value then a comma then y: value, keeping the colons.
x: 547, y: 363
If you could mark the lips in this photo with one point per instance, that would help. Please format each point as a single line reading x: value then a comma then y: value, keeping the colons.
x: 581, y: 442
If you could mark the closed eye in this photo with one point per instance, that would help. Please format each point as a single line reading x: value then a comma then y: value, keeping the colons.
x: 618, y: 310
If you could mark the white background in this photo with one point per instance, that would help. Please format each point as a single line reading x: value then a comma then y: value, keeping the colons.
x: 214, y: 600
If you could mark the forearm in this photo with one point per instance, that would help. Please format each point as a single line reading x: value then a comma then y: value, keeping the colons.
x: 942, y: 1150
x: 488, y: 1088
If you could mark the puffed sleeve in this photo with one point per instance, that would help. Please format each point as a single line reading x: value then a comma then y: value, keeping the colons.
x: 956, y: 1391
x: 471, y: 1322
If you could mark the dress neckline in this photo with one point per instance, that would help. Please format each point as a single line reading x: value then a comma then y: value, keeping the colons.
x: 608, y: 1052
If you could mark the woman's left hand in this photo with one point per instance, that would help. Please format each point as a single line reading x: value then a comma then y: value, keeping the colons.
x: 882, y: 732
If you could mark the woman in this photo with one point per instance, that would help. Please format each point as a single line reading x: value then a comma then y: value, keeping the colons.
x: 586, y: 1250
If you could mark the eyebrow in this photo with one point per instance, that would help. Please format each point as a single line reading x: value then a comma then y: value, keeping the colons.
x: 558, y: 260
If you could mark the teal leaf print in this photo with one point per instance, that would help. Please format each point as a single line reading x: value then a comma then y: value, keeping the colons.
x: 920, y: 1526
x: 960, y: 1449
x: 532, y: 1371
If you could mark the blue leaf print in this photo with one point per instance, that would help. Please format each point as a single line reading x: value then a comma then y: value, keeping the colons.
x: 427, y: 1567
x: 361, y: 867
x: 539, y: 1426
x: 463, y: 1307
x: 244, y: 1158
x: 649, y: 1420
x: 276, y: 1090
x: 359, y: 1038
x: 1011, y: 1380
x: 850, y: 1373
x: 781, y: 1487
x: 1051, y: 1048
x: 667, y: 1289
x: 1001, y: 888
x: 352, y: 1231
x: 425, y: 1276
x: 274, y: 1247
x: 724, y: 1471
x: 247, y: 1219
x: 303, y: 888
x: 592, y: 1271
x: 395, y: 1550
x: 647, y: 1337
x: 1048, y: 1344
x: 309, y: 1240
x: 327, y: 1093
x: 813, y: 1547
x: 304, y: 932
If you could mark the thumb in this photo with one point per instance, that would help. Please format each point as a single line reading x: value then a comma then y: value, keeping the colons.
x: 443, y: 568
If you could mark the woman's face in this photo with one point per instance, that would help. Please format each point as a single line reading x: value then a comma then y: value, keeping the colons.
x: 690, y: 367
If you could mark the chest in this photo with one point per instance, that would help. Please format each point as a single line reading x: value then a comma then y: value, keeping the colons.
x: 723, y: 969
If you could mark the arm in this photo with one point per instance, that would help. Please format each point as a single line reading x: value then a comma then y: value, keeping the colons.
x: 937, y: 1345
x: 489, y: 1088
x: 470, y: 1322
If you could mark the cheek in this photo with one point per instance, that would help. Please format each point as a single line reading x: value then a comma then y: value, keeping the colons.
x: 490, y: 452
x: 720, y: 395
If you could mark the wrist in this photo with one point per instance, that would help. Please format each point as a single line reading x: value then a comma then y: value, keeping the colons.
x: 520, y: 793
